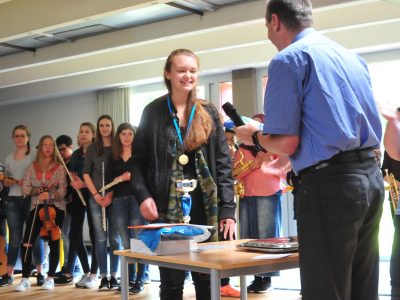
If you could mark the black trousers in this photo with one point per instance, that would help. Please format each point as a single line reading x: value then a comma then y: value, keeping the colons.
x: 338, y: 215
x: 172, y: 281
x: 76, y: 244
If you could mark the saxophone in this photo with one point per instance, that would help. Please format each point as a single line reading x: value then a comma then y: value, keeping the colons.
x: 394, y: 191
x: 239, y: 168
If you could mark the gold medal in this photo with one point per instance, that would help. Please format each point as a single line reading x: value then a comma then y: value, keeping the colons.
x: 183, y: 159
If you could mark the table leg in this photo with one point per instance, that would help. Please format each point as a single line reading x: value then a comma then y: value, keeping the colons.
x: 243, y: 288
x: 215, y: 278
x: 124, y: 279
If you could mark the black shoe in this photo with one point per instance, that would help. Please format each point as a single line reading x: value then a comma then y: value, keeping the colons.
x: 63, y: 280
x: 60, y: 273
x: 39, y: 279
x: 6, y: 280
x: 260, y: 285
x: 137, y: 288
x: 131, y: 284
x: 104, y: 284
x: 113, y: 283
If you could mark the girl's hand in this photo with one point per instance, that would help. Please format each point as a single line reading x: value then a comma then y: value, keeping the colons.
x: 148, y: 209
x: 228, y: 227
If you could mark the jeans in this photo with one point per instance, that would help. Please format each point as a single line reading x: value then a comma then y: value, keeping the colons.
x: 17, y: 212
x: 127, y: 210
x: 339, y: 209
x: 64, y: 235
x: 260, y: 218
x: 101, y: 238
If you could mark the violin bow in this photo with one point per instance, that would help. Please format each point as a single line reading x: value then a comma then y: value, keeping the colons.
x: 103, y: 209
x: 33, y: 221
x: 30, y: 232
x: 70, y: 176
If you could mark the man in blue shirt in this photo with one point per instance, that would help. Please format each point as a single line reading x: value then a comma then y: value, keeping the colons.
x: 320, y: 111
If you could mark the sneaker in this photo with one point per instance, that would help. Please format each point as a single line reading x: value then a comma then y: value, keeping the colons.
x: 137, y: 288
x: 90, y: 282
x: 120, y: 288
x: 260, y: 285
x: 81, y: 282
x: 60, y: 273
x: 39, y: 279
x: 48, y: 284
x: 147, y: 280
x: 104, y: 284
x: 229, y: 291
x: 23, y: 285
x: 63, y: 279
x: 6, y: 280
x: 77, y: 271
x: 113, y: 283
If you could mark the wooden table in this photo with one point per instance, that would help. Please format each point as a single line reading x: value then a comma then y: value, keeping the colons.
x: 220, y: 260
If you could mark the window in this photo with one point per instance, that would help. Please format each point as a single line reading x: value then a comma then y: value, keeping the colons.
x: 139, y: 100
x: 225, y: 95
x: 384, y: 78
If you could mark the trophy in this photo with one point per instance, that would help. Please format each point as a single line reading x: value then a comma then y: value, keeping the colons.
x: 185, y: 186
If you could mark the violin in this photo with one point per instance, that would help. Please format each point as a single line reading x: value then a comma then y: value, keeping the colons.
x: 47, y: 215
x: 4, y: 178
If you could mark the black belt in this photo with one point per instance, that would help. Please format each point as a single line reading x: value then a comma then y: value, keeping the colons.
x: 340, y: 158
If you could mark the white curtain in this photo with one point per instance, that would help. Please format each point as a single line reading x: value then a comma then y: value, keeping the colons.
x: 114, y: 102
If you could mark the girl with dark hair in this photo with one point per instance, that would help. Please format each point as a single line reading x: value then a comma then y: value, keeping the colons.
x: 96, y: 173
x: 77, y: 247
x: 124, y: 203
x: 18, y: 205
x: 45, y: 181
x: 181, y: 137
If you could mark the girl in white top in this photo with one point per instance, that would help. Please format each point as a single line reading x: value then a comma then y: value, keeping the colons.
x: 18, y: 206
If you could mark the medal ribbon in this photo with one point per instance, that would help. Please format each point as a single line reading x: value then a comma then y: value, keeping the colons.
x: 178, y: 130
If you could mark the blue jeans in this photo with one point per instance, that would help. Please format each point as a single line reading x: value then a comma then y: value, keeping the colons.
x: 18, y: 209
x: 260, y: 218
x: 127, y: 210
x: 101, y: 238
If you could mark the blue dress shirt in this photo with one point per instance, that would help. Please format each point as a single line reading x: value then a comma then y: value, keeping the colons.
x: 322, y: 93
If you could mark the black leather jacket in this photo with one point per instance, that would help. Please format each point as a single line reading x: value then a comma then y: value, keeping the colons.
x: 152, y: 158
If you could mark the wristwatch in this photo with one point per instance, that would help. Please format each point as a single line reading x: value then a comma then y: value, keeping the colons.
x: 256, y: 142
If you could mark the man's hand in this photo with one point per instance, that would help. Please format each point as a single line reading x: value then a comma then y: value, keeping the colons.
x: 243, y: 133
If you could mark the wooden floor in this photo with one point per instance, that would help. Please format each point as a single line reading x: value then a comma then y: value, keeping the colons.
x: 68, y: 292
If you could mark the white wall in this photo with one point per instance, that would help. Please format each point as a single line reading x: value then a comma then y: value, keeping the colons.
x: 52, y: 116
